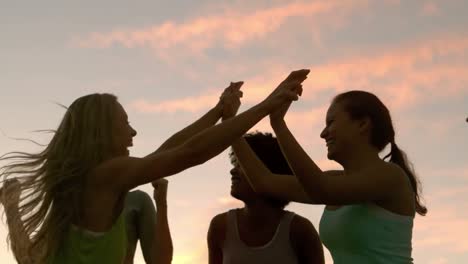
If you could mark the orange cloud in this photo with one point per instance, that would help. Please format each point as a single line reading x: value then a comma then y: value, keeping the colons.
x: 232, y: 28
x: 189, y: 104
x: 254, y: 89
x: 404, y: 76
x: 430, y: 9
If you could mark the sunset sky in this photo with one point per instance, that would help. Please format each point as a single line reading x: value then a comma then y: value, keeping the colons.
x: 168, y: 62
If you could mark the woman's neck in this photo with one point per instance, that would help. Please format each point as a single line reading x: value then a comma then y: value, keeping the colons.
x: 360, y: 158
x: 257, y: 211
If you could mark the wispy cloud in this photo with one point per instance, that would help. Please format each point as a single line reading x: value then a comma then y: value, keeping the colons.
x: 231, y: 29
x: 430, y: 9
x: 188, y: 104
x: 405, y: 76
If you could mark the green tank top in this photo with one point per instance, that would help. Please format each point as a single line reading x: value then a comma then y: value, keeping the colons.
x: 85, y: 247
x: 367, y: 233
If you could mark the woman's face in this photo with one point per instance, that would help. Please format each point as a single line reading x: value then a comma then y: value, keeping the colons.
x: 122, y: 132
x: 341, y: 132
x: 240, y: 187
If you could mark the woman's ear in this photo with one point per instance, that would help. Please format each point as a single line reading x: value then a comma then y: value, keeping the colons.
x: 365, y: 125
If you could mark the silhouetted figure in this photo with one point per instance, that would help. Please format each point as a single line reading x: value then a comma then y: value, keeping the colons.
x: 371, y: 203
x: 262, y: 232
x: 76, y: 186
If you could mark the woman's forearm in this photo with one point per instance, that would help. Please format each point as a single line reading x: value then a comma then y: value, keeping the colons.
x: 207, y: 120
x: 162, y: 246
x: 304, y: 168
x: 214, y: 140
x: 262, y: 180
x: 257, y: 173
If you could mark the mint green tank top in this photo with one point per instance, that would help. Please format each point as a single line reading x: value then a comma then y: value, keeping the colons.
x: 85, y: 247
x: 367, y: 233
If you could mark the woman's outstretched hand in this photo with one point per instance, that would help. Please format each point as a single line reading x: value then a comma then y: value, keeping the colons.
x: 230, y: 100
x: 160, y: 192
x: 287, y: 91
x: 299, y: 76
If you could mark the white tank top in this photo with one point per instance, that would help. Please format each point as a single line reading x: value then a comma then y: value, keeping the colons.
x: 277, y: 250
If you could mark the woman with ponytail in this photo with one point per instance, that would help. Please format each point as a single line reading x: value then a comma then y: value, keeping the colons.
x: 371, y: 203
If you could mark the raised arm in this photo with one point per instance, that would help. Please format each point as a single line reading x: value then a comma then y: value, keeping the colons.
x: 259, y: 176
x: 322, y: 187
x: 209, y: 119
x: 127, y: 172
x: 162, y: 246
x: 262, y: 180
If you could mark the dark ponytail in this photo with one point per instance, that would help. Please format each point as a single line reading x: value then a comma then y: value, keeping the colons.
x: 361, y: 104
x: 399, y: 157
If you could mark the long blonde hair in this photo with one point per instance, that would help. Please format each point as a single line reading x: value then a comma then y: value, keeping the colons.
x: 52, y: 180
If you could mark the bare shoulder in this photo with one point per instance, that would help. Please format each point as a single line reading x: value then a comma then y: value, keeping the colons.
x: 121, y: 173
x: 217, y: 229
x: 301, y: 225
x: 138, y: 199
x: 392, y: 172
x: 139, y: 194
x: 306, y: 241
x: 219, y: 221
x: 104, y: 172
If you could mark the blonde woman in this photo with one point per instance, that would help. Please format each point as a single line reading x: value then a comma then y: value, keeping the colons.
x: 143, y: 222
x: 76, y: 186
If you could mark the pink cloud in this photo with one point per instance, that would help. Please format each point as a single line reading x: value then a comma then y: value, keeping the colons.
x: 233, y: 28
x: 404, y: 76
x: 189, y: 104
x: 430, y: 9
x: 255, y: 89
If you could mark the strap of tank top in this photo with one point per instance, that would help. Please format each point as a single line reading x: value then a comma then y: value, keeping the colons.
x: 285, y: 226
x: 231, y: 223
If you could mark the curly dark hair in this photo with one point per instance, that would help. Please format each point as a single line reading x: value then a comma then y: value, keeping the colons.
x: 268, y: 150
